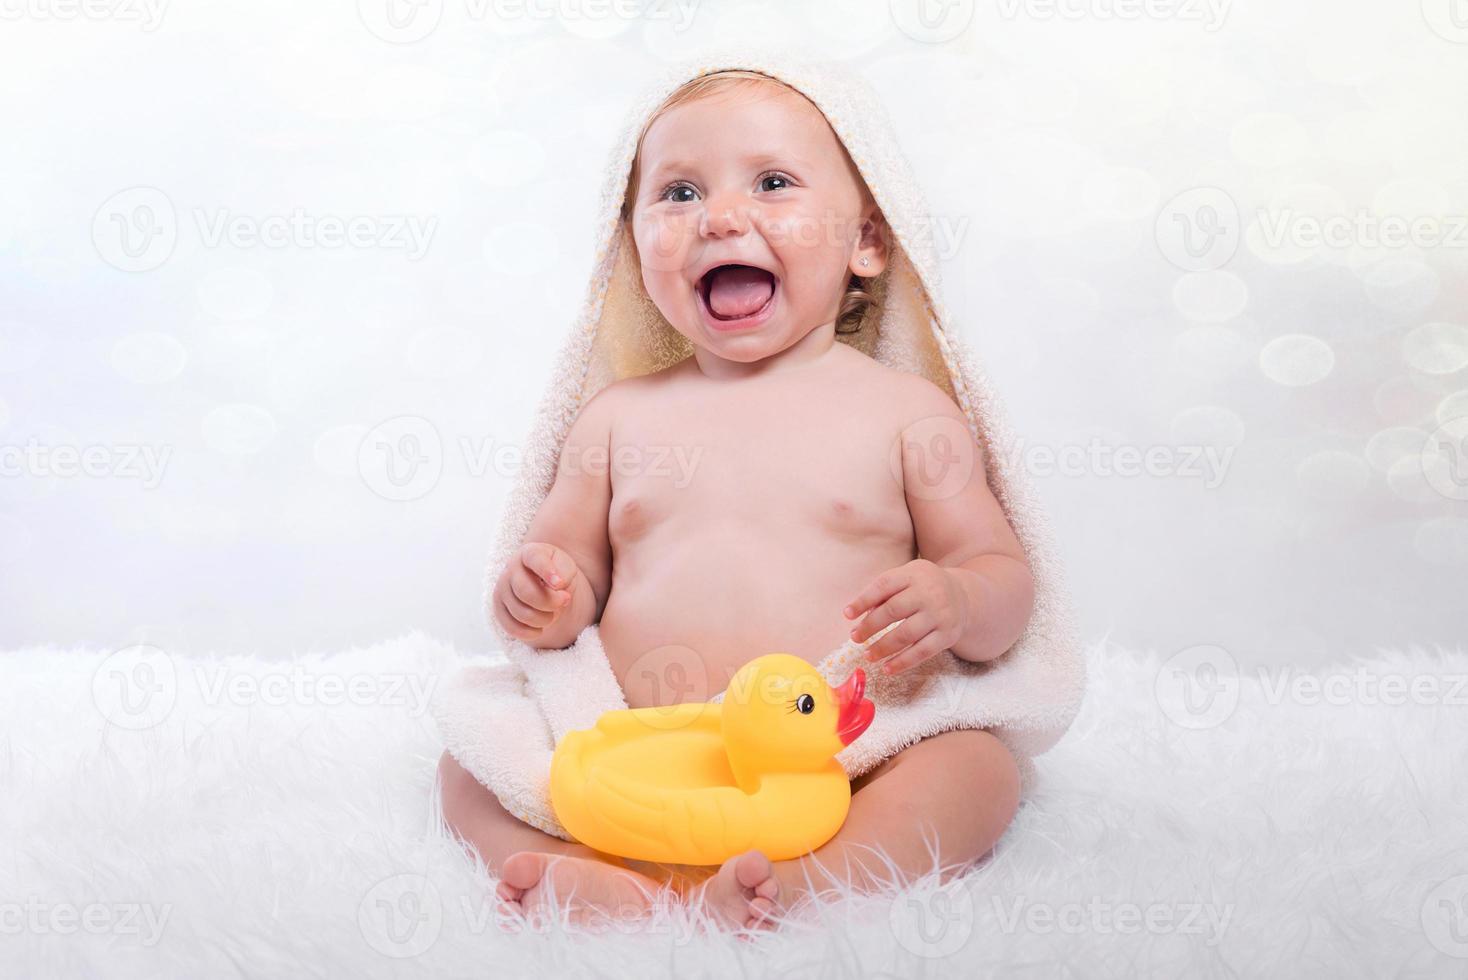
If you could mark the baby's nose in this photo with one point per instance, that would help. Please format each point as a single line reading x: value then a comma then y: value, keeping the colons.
x: 724, y: 217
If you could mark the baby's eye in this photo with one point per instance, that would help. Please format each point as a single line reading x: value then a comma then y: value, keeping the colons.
x: 672, y: 190
x: 805, y: 704
x: 779, y: 180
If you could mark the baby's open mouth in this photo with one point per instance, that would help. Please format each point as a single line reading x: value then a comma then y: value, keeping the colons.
x: 734, y: 292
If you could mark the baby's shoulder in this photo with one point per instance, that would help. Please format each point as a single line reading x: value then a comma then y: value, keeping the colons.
x: 909, y: 397
x: 628, y: 393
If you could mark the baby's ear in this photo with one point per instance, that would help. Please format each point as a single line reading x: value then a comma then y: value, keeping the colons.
x: 871, y: 254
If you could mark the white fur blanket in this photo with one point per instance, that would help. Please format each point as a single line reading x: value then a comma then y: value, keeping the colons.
x: 186, y: 817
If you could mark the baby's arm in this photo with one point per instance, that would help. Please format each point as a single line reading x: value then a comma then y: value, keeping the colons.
x: 971, y: 591
x: 567, y: 536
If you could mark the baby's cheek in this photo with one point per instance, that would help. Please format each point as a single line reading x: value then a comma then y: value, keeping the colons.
x: 780, y: 232
x: 809, y: 231
x: 661, y: 245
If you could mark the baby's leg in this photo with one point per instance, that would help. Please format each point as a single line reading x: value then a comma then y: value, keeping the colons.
x: 477, y: 818
x: 532, y: 864
x: 953, y: 793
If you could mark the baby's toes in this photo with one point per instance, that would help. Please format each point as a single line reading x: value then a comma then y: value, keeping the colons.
x: 762, y: 913
x: 754, y: 871
x: 524, y: 870
x: 509, y: 904
x: 756, y: 874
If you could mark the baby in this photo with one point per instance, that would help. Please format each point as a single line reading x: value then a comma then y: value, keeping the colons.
x: 806, y: 518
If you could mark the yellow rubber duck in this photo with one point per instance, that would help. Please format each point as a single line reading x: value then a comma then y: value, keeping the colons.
x: 698, y: 783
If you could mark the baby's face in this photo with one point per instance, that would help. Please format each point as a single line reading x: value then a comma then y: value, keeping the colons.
x: 750, y: 177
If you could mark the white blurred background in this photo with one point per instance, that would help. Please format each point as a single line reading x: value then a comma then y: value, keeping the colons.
x: 1247, y: 435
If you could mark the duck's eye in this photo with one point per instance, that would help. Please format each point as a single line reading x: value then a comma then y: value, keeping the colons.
x: 805, y: 704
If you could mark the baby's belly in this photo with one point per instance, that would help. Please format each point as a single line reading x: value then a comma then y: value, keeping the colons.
x: 686, y: 611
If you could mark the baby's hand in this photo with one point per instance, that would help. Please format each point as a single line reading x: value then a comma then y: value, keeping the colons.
x: 929, y: 600
x: 536, y: 590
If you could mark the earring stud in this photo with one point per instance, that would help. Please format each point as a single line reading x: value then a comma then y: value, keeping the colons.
x: 865, y: 262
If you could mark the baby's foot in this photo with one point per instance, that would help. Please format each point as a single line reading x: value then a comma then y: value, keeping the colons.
x: 594, y: 890
x: 744, y: 893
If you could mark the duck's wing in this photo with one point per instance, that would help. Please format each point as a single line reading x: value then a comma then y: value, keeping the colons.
x: 700, y: 826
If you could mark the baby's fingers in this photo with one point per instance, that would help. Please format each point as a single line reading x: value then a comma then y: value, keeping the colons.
x: 929, y: 646
x: 528, y: 618
x: 883, y: 587
x: 900, y: 606
x: 912, y: 629
x: 532, y: 593
x: 555, y: 568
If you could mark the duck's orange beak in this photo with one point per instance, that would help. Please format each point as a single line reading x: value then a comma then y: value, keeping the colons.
x: 856, y: 711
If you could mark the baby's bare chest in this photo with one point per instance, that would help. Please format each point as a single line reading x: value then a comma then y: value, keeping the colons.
x: 831, y: 466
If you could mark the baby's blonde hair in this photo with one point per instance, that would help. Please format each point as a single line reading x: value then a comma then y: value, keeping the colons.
x: 859, y: 301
